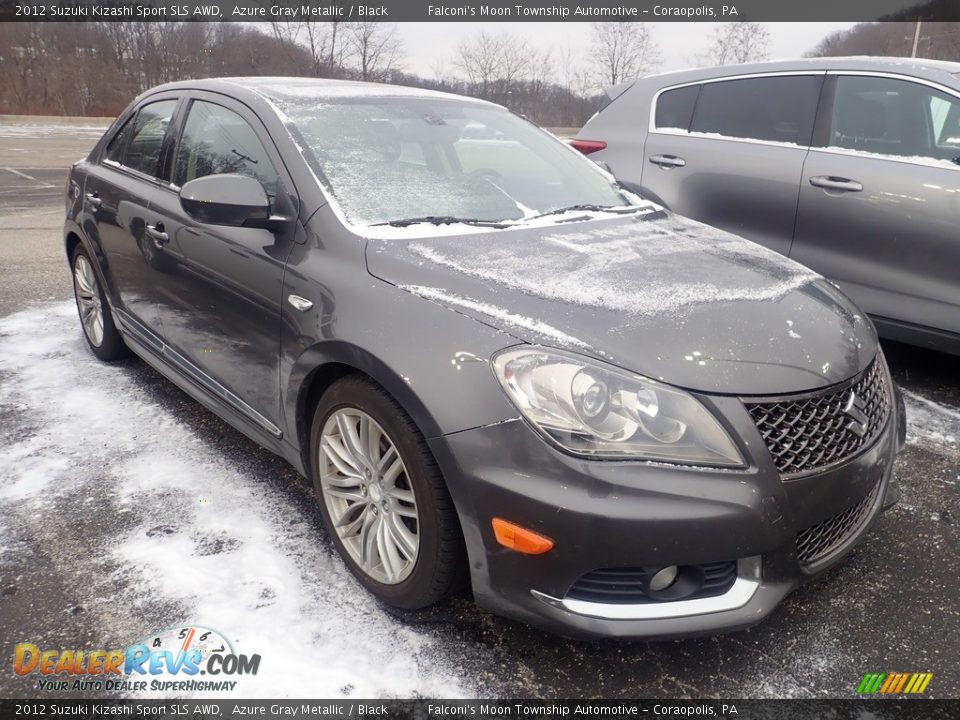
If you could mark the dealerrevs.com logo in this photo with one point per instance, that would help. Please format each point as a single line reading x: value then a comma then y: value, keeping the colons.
x: 172, y: 661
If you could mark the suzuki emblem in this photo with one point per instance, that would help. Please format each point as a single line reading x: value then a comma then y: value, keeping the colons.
x: 855, y: 409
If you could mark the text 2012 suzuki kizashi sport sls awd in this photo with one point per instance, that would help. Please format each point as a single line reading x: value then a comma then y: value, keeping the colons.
x: 496, y: 365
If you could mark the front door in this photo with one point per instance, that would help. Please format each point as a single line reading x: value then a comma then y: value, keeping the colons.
x: 220, y: 298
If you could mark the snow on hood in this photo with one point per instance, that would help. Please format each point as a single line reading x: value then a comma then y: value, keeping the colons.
x: 641, y: 268
x: 657, y: 294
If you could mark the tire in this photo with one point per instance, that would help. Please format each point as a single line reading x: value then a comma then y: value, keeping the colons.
x: 98, y: 328
x: 438, y: 567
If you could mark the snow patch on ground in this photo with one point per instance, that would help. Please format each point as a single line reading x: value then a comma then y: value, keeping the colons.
x: 931, y: 424
x: 209, y: 536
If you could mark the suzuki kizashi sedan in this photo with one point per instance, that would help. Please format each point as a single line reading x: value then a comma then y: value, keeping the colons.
x: 496, y: 365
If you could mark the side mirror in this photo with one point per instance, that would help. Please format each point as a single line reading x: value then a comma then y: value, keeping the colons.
x: 234, y: 200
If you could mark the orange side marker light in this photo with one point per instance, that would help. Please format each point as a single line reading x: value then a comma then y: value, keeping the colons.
x: 520, y: 539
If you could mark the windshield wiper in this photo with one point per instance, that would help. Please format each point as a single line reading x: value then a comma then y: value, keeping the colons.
x: 588, y: 207
x: 443, y: 220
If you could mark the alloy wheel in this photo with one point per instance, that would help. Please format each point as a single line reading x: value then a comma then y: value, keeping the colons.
x: 369, y: 496
x: 87, y: 291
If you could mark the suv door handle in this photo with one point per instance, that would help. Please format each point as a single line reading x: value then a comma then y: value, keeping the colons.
x: 157, y: 233
x: 94, y: 199
x: 667, y: 161
x: 829, y: 182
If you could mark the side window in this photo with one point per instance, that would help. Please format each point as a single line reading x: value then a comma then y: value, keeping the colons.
x: 115, y: 147
x: 675, y: 108
x: 779, y: 109
x: 894, y: 117
x: 216, y: 140
x: 146, y: 137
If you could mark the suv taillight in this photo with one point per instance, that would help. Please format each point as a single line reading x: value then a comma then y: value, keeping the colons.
x: 587, y: 146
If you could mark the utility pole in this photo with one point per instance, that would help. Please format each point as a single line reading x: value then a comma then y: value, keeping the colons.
x: 916, y: 39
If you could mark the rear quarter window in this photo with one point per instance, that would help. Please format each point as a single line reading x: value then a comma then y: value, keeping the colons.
x: 777, y: 109
x: 675, y: 108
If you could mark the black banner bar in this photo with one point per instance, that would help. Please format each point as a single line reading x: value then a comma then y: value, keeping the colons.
x: 473, y: 11
x: 221, y: 709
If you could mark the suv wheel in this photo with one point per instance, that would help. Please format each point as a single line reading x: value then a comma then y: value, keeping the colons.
x: 95, y: 316
x: 383, y: 499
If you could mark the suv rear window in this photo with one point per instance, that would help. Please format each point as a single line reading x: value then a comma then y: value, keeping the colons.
x: 779, y: 109
x: 675, y: 108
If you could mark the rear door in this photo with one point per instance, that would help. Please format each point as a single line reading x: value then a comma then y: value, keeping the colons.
x: 116, y: 193
x: 220, y: 298
x: 730, y: 152
x: 880, y: 199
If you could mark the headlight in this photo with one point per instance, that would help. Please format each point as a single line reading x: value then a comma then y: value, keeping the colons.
x: 590, y: 408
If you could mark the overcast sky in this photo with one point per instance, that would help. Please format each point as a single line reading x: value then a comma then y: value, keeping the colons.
x: 429, y: 46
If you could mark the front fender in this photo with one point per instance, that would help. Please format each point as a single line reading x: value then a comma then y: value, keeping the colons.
x: 435, y: 362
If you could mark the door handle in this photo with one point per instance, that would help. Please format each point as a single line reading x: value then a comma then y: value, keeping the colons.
x: 667, y: 161
x: 829, y: 182
x: 94, y: 199
x: 157, y: 233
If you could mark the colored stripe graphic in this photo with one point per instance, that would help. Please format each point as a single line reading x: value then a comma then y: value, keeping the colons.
x: 901, y: 681
x: 890, y: 683
x: 894, y: 683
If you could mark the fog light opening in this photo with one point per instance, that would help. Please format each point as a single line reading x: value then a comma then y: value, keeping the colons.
x: 664, y: 578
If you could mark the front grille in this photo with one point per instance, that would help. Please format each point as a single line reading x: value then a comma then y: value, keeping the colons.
x: 820, y: 540
x: 627, y: 585
x: 806, y: 433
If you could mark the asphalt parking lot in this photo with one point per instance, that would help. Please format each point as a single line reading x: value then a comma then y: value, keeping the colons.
x: 126, y: 508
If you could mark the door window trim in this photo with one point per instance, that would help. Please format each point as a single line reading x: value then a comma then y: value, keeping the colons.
x: 653, y: 130
x: 909, y: 160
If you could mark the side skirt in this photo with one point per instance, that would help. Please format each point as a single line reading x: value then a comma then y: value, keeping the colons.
x: 204, y: 389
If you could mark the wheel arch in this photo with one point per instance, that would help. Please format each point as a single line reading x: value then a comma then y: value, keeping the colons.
x: 322, y: 365
x: 70, y: 242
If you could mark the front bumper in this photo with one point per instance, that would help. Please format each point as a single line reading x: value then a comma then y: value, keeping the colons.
x: 615, y: 514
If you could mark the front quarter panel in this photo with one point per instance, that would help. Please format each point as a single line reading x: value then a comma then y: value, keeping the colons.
x: 433, y: 361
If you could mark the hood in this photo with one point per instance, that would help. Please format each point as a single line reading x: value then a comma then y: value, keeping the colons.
x: 656, y: 294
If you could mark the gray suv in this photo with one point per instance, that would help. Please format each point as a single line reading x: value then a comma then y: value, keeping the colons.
x: 847, y: 165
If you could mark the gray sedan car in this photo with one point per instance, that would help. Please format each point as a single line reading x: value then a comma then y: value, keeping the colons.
x: 847, y: 165
x: 495, y: 365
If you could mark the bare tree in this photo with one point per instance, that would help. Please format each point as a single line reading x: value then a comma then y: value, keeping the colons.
x: 479, y: 59
x: 737, y: 42
x: 936, y: 40
x: 376, y: 49
x: 324, y: 42
x: 623, y: 51
x: 494, y: 64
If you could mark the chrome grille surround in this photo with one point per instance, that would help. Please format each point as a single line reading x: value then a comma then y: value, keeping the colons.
x: 810, y: 432
x: 818, y: 541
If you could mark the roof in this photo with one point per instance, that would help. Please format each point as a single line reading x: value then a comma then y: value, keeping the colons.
x: 291, y: 88
x: 920, y: 67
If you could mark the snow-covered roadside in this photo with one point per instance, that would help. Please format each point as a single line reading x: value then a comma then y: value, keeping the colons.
x: 192, y: 529
x: 37, y: 131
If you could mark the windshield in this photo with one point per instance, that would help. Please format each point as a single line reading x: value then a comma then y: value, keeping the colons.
x: 389, y: 159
